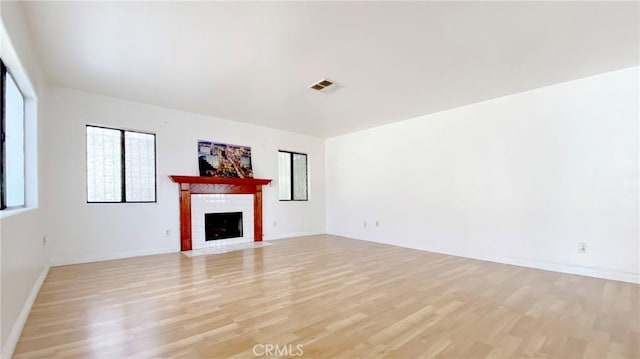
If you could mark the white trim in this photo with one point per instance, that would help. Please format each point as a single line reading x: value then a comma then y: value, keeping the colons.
x: 130, y: 254
x: 8, y: 212
x: 121, y: 255
x: 567, y: 268
x: 108, y: 257
x: 291, y: 235
x: 18, y: 325
x: 528, y: 263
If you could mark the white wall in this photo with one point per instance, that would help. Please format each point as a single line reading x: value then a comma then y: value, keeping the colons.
x: 520, y: 179
x: 23, y: 257
x: 80, y: 232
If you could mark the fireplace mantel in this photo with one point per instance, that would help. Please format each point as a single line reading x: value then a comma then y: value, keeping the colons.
x: 219, y: 180
x: 217, y: 185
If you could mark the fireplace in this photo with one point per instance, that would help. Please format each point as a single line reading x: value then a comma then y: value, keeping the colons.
x: 195, y: 185
x: 222, y: 225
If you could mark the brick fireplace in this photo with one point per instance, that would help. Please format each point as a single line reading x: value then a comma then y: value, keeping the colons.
x: 194, y: 185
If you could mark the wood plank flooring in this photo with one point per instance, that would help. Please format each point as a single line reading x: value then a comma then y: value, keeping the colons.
x: 334, y: 296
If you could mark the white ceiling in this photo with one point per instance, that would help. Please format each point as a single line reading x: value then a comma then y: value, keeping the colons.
x: 252, y: 62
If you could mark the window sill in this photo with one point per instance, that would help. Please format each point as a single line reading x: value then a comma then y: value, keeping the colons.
x: 131, y: 202
x: 8, y: 212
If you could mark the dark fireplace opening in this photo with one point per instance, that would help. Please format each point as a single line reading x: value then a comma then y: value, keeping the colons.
x: 222, y: 225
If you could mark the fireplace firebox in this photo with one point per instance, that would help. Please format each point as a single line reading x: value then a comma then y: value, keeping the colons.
x: 222, y: 225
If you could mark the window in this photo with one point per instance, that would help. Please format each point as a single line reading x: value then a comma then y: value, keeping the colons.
x: 12, y: 148
x: 121, y: 166
x: 292, y: 176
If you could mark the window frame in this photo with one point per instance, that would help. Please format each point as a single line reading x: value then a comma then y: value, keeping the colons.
x: 123, y: 173
x: 291, y: 174
x: 4, y: 72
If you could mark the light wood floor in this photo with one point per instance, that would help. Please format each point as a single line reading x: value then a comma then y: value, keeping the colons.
x: 336, y: 297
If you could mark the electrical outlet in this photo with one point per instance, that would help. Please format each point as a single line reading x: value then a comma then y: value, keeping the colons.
x: 44, y: 241
x: 377, y: 223
x: 167, y: 232
x: 364, y: 224
x: 582, y: 247
x: 275, y: 223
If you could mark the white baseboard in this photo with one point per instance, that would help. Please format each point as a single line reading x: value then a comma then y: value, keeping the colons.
x: 291, y: 235
x: 107, y: 257
x: 567, y: 268
x: 129, y: 254
x: 16, y: 330
x: 554, y: 267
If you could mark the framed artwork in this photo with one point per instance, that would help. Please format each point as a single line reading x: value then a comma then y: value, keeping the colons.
x: 224, y: 160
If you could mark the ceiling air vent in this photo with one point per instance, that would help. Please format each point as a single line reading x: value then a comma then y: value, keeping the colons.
x: 323, y: 85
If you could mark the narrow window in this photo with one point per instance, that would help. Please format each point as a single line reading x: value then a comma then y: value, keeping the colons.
x: 12, y: 171
x: 121, y: 166
x: 292, y: 176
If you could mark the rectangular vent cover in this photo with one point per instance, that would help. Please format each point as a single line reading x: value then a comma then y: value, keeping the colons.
x: 321, y: 85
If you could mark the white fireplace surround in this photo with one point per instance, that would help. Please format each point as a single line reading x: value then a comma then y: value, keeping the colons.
x: 220, y: 203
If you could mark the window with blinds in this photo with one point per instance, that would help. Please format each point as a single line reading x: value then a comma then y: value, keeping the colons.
x: 121, y: 166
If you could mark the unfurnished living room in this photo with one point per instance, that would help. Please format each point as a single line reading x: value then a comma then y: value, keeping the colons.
x: 326, y: 179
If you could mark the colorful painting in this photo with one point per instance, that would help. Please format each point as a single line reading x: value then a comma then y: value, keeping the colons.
x: 224, y: 160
